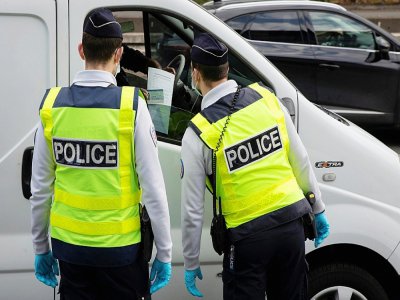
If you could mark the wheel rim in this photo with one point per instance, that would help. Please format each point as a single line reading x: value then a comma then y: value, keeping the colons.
x: 339, y: 293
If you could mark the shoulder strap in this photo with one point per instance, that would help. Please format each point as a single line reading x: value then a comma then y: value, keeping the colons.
x: 204, y: 130
x: 214, y: 156
x: 125, y: 137
x: 266, y: 93
x: 272, y: 102
x: 199, y: 124
x: 45, y: 113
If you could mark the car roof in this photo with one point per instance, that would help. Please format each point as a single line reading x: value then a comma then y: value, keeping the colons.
x: 216, y: 4
x: 228, y: 9
x: 224, y: 5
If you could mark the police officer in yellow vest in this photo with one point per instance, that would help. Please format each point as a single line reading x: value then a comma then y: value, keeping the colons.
x: 95, y: 161
x: 262, y: 174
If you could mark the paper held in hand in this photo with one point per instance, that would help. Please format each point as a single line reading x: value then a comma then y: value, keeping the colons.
x: 160, y: 85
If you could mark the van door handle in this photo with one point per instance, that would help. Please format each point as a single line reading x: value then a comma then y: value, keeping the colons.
x: 329, y: 66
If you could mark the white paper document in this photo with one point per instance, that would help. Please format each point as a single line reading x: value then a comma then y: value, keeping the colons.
x: 160, y: 85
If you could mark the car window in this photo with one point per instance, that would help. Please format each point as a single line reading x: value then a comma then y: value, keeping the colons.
x: 276, y: 26
x: 163, y: 38
x: 340, y: 31
x: 241, y: 24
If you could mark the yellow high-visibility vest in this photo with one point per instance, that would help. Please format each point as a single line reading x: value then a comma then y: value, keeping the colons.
x: 253, y: 173
x: 96, y: 188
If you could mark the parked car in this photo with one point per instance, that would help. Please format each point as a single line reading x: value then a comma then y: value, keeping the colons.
x: 358, y: 175
x: 334, y: 57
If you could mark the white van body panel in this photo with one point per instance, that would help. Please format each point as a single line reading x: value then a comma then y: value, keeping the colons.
x: 63, y: 44
x: 359, y: 208
x: 370, y: 168
x: 395, y: 259
x: 28, y: 67
x: 360, y: 221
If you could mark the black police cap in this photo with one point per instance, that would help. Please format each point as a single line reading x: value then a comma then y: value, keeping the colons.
x: 101, y: 23
x: 206, y: 50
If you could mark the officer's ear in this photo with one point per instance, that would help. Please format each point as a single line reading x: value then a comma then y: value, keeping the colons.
x: 118, y: 54
x: 80, y: 50
x: 199, y: 76
x: 195, y: 73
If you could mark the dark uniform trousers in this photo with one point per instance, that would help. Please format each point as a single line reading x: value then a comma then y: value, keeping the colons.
x: 79, y: 282
x: 270, y: 262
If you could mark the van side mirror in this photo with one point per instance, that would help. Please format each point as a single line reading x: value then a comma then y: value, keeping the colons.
x: 26, y: 172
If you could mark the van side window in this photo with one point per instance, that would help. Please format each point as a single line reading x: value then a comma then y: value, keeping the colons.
x: 132, y: 73
x: 340, y: 31
x: 165, y: 39
x: 273, y: 26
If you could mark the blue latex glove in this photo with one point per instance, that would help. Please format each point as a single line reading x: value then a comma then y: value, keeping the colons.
x: 160, y: 275
x: 46, y: 269
x: 322, y: 225
x: 190, y: 281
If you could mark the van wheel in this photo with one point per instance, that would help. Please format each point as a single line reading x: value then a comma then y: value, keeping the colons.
x: 343, y: 281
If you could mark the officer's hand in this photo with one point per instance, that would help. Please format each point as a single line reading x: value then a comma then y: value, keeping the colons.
x: 322, y: 225
x: 190, y: 281
x: 160, y: 275
x: 46, y: 269
x: 170, y: 70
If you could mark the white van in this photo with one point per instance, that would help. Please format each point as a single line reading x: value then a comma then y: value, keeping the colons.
x: 359, y: 176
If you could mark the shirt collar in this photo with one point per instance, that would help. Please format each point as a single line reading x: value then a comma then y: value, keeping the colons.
x: 225, y: 88
x: 94, y: 78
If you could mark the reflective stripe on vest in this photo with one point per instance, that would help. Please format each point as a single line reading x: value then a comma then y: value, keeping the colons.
x: 254, y: 176
x: 96, y: 190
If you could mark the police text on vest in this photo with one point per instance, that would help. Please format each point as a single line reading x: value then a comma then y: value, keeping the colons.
x: 253, y: 149
x: 86, y: 154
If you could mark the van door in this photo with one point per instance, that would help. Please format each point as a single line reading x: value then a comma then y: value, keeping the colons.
x: 161, y: 35
x: 146, y: 33
x: 28, y: 68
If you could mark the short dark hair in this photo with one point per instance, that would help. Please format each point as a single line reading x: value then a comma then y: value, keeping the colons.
x: 99, y: 50
x: 212, y: 73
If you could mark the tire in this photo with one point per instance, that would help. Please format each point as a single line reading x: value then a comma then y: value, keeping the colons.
x: 329, y: 282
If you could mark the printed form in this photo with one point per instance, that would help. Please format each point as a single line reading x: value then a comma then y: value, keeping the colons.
x: 160, y: 85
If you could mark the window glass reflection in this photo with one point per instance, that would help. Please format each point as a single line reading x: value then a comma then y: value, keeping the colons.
x: 339, y: 31
x: 277, y: 26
